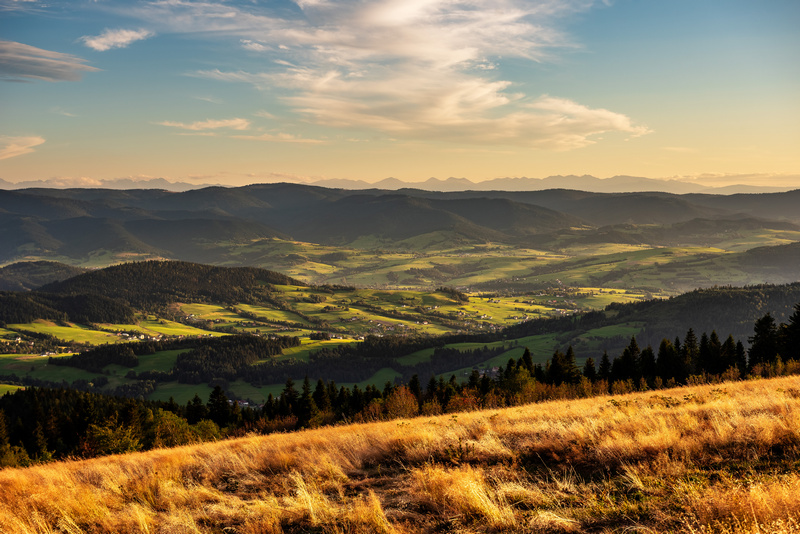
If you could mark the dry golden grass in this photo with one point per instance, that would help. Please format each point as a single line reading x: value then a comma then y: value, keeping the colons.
x: 716, y: 458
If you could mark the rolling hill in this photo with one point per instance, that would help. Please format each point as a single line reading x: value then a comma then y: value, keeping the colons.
x: 249, y: 225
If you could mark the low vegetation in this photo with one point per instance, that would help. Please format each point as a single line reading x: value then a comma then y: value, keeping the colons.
x: 711, y: 458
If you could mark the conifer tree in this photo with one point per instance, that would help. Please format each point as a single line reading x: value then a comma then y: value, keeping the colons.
x: 728, y: 353
x: 307, y: 410
x: 741, y: 358
x: 648, y: 364
x: 415, y: 387
x: 790, y: 336
x: 764, y: 341
x: 604, y: 371
x: 527, y: 360
x: 690, y: 353
x: 196, y: 411
x: 218, y: 407
x: 589, y: 370
x: 321, y: 397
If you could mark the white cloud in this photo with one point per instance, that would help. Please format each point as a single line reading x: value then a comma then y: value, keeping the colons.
x: 255, y: 46
x: 21, y: 62
x: 427, y: 69
x: 11, y: 147
x: 115, y: 39
x: 210, y: 124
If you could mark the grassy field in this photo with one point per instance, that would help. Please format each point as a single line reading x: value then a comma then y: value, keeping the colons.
x: 69, y: 332
x: 8, y: 388
x: 430, y: 261
x: 37, y: 366
x: 172, y: 328
x: 716, y: 458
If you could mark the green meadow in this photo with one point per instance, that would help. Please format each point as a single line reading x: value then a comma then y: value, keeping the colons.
x: 68, y: 332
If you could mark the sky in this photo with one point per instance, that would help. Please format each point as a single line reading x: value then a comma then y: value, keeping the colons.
x: 244, y: 91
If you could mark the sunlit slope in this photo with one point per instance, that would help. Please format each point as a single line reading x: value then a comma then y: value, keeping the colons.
x: 714, y: 458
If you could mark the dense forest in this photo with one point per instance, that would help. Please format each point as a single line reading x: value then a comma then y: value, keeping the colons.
x: 71, y: 423
x: 155, y: 284
x: 84, y: 308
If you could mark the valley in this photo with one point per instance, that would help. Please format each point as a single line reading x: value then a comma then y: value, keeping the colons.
x: 474, y: 240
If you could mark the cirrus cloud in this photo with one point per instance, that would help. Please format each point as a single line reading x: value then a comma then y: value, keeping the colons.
x: 210, y: 124
x: 11, y: 147
x: 115, y: 39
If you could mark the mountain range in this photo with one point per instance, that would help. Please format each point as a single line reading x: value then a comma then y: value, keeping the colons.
x: 614, y: 184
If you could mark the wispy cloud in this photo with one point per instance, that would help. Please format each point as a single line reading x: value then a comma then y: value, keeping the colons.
x: 63, y: 112
x: 279, y: 138
x: 255, y: 46
x: 210, y: 124
x: 115, y: 39
x: 19, y: 5
x: 21, y: 62
x: 11, y: 147
x: 427, y: 69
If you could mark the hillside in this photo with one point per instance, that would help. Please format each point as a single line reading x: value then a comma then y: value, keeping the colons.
x: 414, y: 238
x: 157, y: 283
x: 347, y: 335
x: 25, y: 276
x: 713, y: 458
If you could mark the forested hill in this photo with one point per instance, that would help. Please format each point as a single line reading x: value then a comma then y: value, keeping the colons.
x: 727, y: 310
x: 149, y: 284
x: 27, y: 275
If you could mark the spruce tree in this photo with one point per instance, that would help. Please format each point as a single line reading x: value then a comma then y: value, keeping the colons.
x: 790, y: 336
x: 589, y: 370
x: 307, y: 410
x: 604, y: 371
x: 321, y: 397
x: 764, y: 341
x: 218, y: 408
x: 527, y: 360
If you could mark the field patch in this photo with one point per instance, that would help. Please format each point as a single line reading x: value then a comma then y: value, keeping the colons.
x: 69, y: 332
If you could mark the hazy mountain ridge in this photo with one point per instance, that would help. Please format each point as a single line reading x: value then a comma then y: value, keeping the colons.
x: 614, y: 184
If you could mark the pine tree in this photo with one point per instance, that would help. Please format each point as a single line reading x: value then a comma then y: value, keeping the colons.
x: 630, y: 365
x: 790, y: 336
x: 741, y: 358
x: 648, y: 364
x: 195, y: 410
x: 704, y: 355
x: 716, y: 363
x: 287, y: 404
x: 589, y: 370
x: 218, y: 407
x: 690, y: 353
x: 604, y: 372
x: 563, y: 368
x: 728, y: 354
x: 527, y: 360
x: 668, y: 363
x: 415, y: 387
x: 321, y: 397
x: 764, y: 341
x: 307, y: 411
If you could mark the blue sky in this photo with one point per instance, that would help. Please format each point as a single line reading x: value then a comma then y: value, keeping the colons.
x: 250, y: 91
